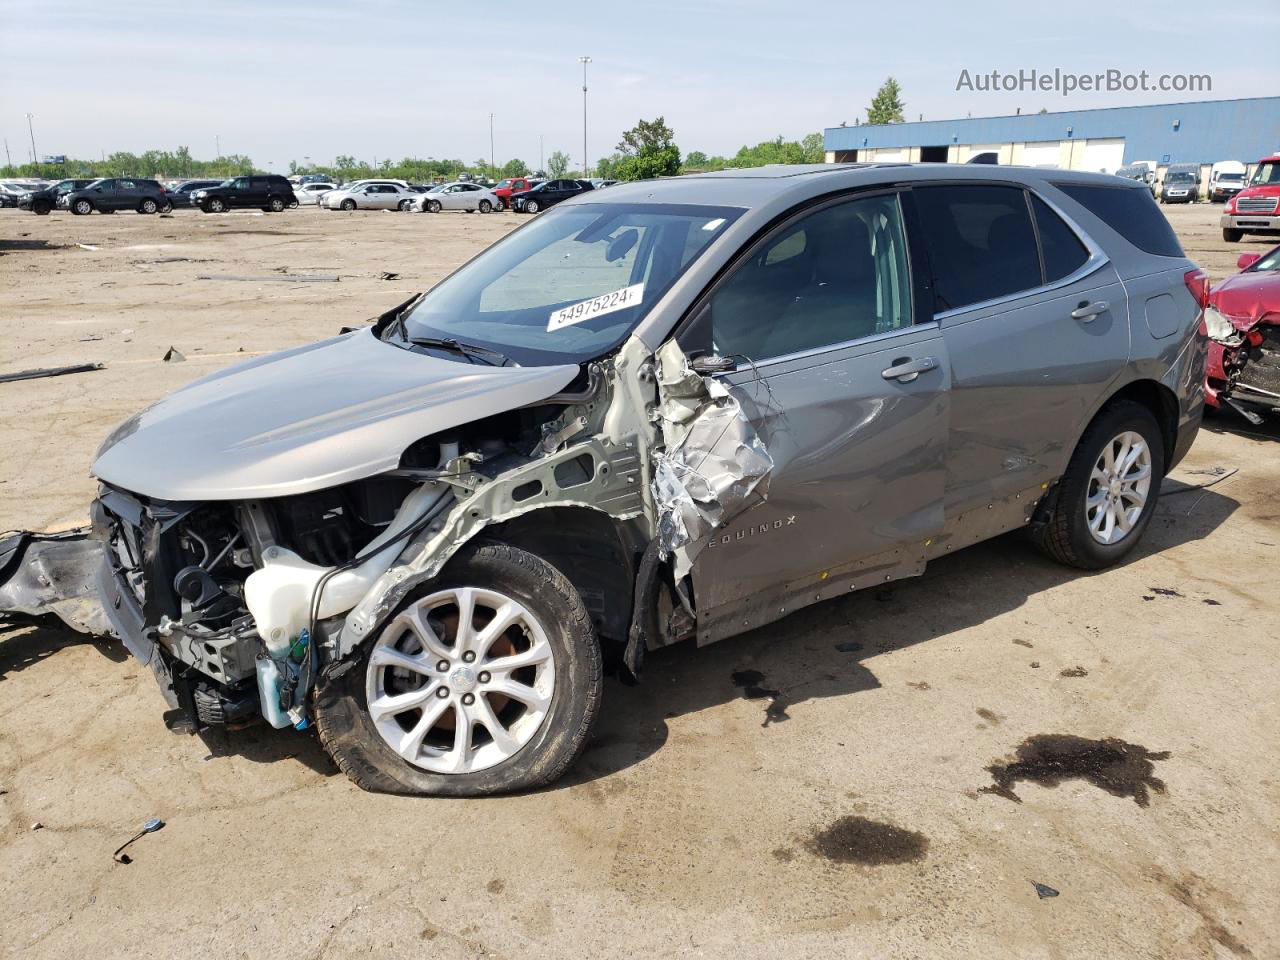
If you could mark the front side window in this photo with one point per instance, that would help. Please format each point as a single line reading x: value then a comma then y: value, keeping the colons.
x: 570, y: 285
x: 980, y: 241
x: 835, y: 275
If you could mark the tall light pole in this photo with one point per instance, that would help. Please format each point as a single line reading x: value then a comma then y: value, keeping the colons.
x: 35, y: 157
x: 491, y: 165
x: 586, y: 171
x: 542, y: 163
x: 217, y: 147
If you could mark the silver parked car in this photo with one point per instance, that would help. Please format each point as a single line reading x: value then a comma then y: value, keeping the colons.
x: 375, y: 195
x: 459, y: 195
x: 312, y: 194
x: 678, y: 409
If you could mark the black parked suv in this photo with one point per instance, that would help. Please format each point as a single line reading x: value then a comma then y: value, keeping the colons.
x: 181, y: 194
x: 117, y: 193
x: 42, y: 201
x: 269, y: 192
x: 548, y: 194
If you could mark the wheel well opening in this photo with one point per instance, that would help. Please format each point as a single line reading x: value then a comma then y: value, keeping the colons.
x: 591, y: 550
x: 1162, y: 403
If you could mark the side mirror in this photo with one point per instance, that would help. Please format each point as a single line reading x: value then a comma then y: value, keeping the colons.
x: 708, y: 363
x: 1247, y: 260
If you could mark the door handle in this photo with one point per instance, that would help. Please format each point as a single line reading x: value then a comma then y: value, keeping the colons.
x: 1086, y: 312
x: 904, y: 369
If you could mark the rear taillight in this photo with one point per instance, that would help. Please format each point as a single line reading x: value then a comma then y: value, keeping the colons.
x: 1198, y: 283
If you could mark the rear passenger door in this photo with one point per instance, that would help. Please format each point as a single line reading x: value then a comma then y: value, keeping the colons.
x: 125, y: 196
x: 846, y: 379
x: 1036, y: 326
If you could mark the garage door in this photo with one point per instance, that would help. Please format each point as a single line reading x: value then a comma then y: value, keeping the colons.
x: 891, y: 155
x: 1043, y: 154
x: 1103, y: 156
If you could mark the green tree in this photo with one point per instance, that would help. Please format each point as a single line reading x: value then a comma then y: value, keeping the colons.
x: 558, y: 164
x: 814, y: 148
x: 515, y: 168
x: 887, y: 105
x: 607, y: 167
x: 648, y: 150
x: 696, y: 159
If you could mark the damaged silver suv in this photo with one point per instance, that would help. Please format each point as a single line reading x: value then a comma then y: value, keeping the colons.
x: 675, y: 409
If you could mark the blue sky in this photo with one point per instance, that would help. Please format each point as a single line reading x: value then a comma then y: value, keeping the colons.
x: 392, y: 78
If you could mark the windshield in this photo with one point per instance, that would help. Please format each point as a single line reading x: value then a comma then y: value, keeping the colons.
x: 1231, y: 177
x: 1178, y: 176
x: 571, y: 284
x: 1266, y: 174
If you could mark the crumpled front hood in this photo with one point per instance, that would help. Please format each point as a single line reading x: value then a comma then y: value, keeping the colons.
x: 1246, y: 299
x: 307, y: 418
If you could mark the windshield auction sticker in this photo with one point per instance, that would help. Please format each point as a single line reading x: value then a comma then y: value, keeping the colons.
x: 597, y: 306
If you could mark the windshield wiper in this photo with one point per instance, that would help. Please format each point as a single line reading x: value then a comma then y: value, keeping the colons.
x: 471, y: 351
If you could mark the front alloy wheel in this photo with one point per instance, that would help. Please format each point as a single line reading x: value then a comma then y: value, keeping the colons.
x: 531, y: 206
x: 487, y: 680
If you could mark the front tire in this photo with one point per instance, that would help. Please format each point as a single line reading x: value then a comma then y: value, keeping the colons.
x: 531, y: 206
x: 1109, y: 491
x: 348, y: 205
x: 82, y: 208
x: 432, y: 206
x: 41, y: 209
x: 405, y: 205
x: 436, y: 678
x: 1232, y: 236
x: 215, y: 206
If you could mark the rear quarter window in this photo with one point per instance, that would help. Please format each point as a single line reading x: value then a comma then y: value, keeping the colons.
x: 1130, y: 212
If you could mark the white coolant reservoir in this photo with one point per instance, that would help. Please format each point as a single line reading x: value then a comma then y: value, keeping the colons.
x: 279, y: 595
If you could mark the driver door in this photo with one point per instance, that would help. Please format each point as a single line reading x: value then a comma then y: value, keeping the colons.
x: 846, y: 379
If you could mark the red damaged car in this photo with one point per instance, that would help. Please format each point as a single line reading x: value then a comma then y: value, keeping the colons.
x: 1243, y: 318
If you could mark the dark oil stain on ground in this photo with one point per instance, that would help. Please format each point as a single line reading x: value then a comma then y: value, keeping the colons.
x: 849, y: 646
x: 1024, y: 643
x: 752, y: 684
x: 868, y: 842
x: 990, y: 716
x: 1035, y: 664
x: 1211, y: 602
x: 1164, y: 591
x: 919, y: 685
x: 1074, y: 672
x: 1122, y: 769
x: 495, y: 886
x: 784, y: 854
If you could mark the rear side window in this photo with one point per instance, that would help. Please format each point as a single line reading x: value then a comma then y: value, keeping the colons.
x: 981, y: 243
x: 1063, y: 252
x: 1130, y: 212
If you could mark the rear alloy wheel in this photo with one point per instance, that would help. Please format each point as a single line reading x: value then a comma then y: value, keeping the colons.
x: 82, y: 207
x: 531, y: 206
x: 1232, y: 236
x: 277, y: 205
x: 1109, y: 491
x: 148, y: 206
x: 348, y: 204
x: 486, y: 206
x: 486, y: 681
x: 431, y: 206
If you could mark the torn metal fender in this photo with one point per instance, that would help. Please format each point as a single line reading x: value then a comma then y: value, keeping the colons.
x: 54, y: 573
x: 714, y: 466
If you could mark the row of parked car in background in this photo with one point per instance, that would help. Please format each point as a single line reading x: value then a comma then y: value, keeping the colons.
x: 1181, y: 182
x: 273, y: 193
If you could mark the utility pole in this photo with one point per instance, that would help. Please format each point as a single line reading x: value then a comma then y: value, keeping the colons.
x: 8, y: 161
x: 35, y: 157
x: 491, y: 165
x: 542, y: 163
x: 217, y: 147
x: 586, y: 166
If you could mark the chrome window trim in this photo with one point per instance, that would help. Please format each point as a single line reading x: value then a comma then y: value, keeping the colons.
x: 1096, y: 261
x: 874, y: 338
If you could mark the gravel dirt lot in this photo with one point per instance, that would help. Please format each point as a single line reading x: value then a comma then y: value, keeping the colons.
x: 826, y: 801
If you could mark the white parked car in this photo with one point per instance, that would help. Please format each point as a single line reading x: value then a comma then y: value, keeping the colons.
x: 457, y: 196
x: 370, y: 196
x: 311, y: 193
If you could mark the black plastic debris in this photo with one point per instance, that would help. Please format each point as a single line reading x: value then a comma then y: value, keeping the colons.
x: 173, y: 355
x: 50, y: 372
x: 284, y: 277
x: 385, y: 275
x: 151, y: 826
x: 1044, y: 891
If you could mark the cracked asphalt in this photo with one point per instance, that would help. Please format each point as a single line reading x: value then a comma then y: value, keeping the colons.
x: 833, y: 801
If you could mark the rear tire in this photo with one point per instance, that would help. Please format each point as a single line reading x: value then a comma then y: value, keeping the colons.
x: 535, y: 755
x: 1232, y: 236
x: 486, y: 206
x: 277, y: 205
x: 1066, y: 536
x: 148, y: 206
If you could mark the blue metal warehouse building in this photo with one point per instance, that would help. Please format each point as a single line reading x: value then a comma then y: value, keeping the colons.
x: 1201, y: 132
